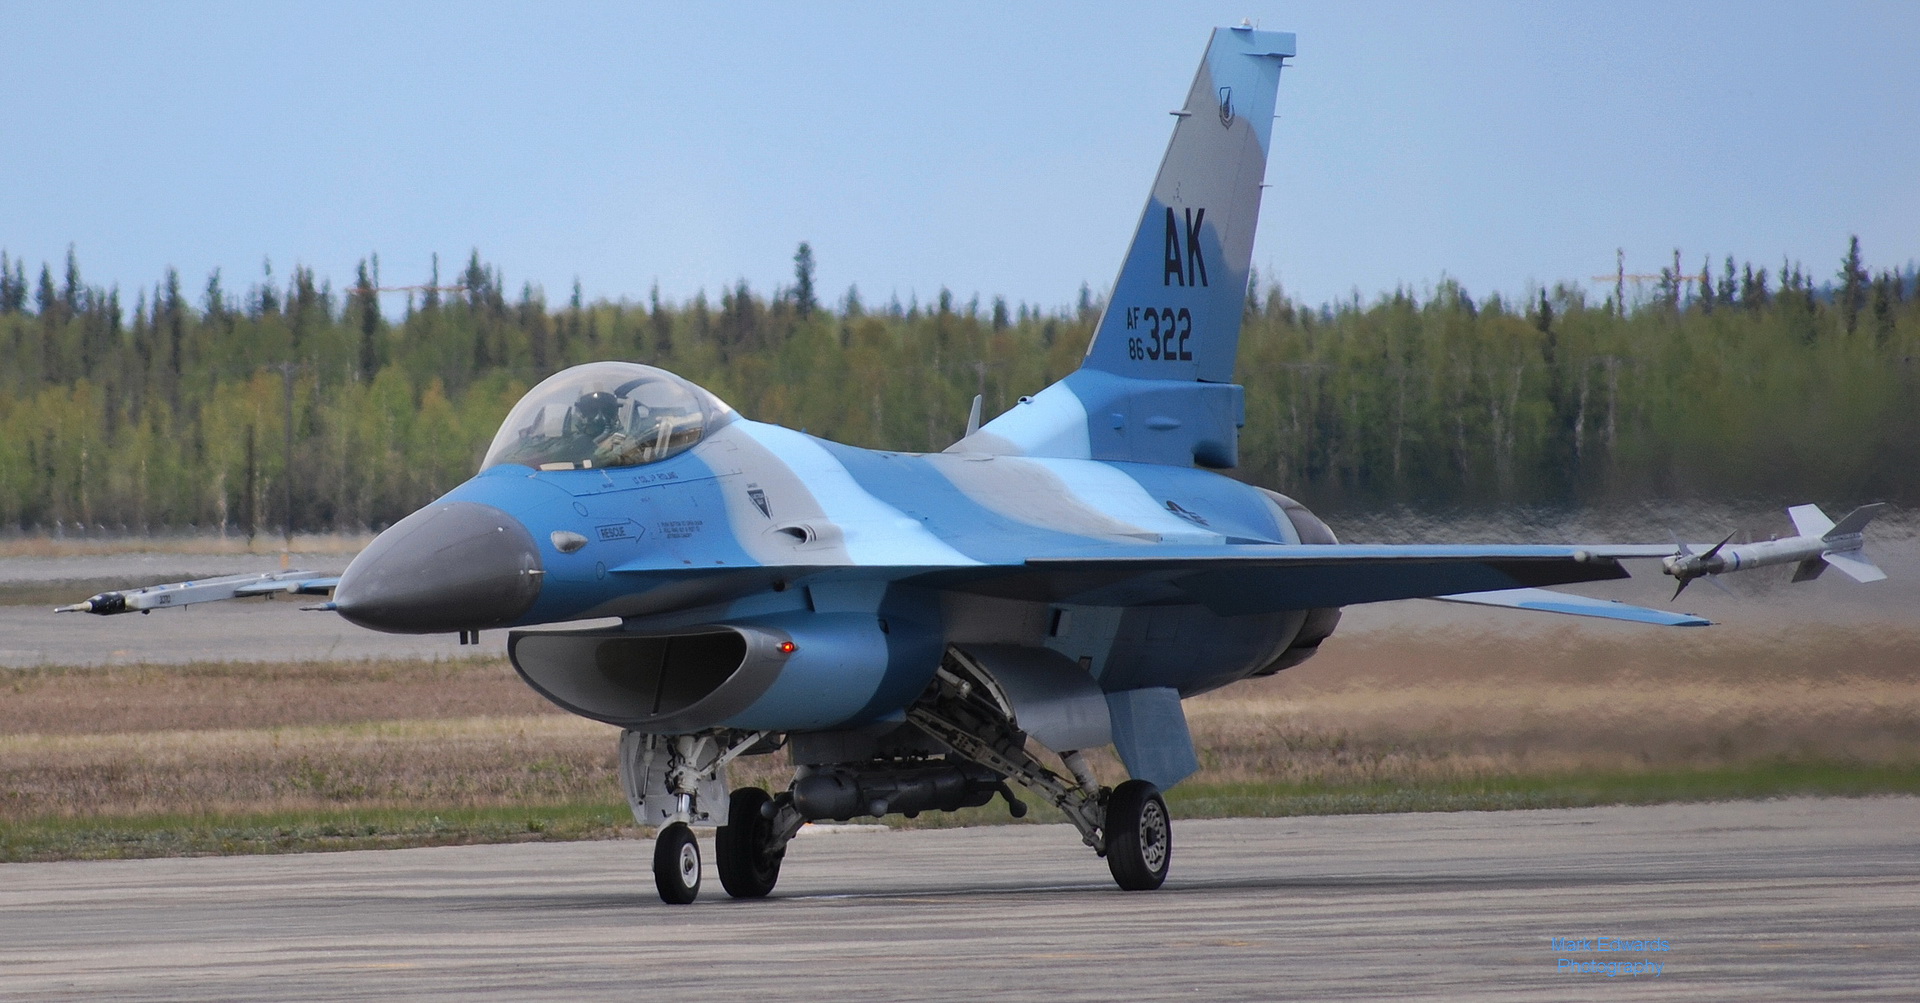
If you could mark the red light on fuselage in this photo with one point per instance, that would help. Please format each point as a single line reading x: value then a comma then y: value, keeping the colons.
x: 788, y: 647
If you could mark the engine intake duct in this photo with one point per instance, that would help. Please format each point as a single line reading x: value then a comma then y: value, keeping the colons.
x: 663, y: 683
x: 843, y: 792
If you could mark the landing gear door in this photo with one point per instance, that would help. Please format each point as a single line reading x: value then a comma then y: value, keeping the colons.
x: 645, y: 764
x: 1052, y: 699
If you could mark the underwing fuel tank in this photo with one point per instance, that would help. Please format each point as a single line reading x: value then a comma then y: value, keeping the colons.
x: 781, y: 673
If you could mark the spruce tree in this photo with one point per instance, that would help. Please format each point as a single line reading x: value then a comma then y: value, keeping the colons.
x: 1853, y: 284
x: 803, y: 300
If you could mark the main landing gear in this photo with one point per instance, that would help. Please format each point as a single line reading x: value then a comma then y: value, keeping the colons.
x: 1128, y: 825
x: 751, y: 845
x: 1139, y: 836
x: 960, y: 747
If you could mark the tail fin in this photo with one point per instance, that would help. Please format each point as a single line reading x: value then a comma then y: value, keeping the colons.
x: 1808, y: 520
x: 1856, y: 565
x: 1844, y: 537
x: 1157, y: 382
x: 1849, y: 553
x: 1175, y: 309
x: 1855, y: 521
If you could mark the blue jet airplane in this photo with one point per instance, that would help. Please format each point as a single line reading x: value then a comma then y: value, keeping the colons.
x: 920, y: 630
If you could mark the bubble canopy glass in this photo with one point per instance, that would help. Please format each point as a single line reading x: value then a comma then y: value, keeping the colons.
x: 605, y: 414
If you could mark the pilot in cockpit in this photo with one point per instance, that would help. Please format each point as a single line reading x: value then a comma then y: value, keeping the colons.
x: 604, y: 414
x: 595, y: 414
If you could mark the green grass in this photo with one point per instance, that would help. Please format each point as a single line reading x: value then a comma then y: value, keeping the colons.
x: 1722, y: 783
x: 116, y: 837
x: 124, y: 837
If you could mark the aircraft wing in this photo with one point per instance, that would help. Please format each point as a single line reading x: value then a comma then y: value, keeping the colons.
x: 201, y: 590
x: 1230, y: 581
x: 1260, y: 578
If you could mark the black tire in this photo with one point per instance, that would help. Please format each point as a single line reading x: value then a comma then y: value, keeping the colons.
x: 749, y: 866
x: 676, y: 865
x: 1139, y: 836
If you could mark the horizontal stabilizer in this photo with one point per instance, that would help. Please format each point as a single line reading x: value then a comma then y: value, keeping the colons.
x: 1805, y: 571
x: 1856, y: 565
x: 1545, y: 601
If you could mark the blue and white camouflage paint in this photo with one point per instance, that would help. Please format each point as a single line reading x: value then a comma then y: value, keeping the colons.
x: 1081, y: 523
x: 1077, y: 559
x: 1085, y: 525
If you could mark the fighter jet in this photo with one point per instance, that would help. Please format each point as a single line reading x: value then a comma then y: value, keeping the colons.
x: 922, y: 631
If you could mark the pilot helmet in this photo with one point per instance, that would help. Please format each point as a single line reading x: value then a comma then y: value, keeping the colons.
x: 596, y: 413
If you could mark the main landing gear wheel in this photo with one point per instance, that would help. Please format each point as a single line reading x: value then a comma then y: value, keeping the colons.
x: 676, y: 865
x: 743, y: 848
x: 1139, y: 836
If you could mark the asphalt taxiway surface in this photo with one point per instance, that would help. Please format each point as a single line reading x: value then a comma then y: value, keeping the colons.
x: 1785, y: 900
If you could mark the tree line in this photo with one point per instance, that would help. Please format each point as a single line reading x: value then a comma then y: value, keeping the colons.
x: 237, y: 408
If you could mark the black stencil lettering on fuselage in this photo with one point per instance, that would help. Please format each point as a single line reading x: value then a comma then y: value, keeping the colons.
x: 1188, y: 267
x: 680, y: 529
x: 1167, y: 332
x: 1174, y: 272
x: 1196, y: 264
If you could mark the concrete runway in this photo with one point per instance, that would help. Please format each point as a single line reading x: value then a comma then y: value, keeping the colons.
x: 1787, y: 900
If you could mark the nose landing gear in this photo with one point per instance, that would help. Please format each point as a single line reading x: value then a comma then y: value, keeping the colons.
x: 677, y: 781
x: 676, y: 864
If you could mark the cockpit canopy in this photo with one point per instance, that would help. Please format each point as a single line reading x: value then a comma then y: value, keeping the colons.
x: 605, y: 414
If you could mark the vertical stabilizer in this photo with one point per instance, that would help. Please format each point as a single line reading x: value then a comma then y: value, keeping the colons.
x: 1174, y: 313
x: 1157, y: 383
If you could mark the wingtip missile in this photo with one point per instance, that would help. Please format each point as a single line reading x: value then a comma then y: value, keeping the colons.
x: 1821, y: 542
x: 104, y: 604
x: 152, y: 597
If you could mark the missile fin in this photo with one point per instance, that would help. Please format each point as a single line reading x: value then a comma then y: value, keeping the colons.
x: 1856, y: 565
x: 1855, y: 520
x: 1809, y: 569
x: 1808, y: 520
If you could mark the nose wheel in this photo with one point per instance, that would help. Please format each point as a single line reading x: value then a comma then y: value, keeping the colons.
x: 676, y: 864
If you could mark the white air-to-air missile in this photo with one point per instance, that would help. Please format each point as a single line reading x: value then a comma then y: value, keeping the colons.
x: 1820, y: 542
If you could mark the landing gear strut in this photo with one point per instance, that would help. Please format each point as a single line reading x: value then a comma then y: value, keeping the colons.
x: 1128, y: 825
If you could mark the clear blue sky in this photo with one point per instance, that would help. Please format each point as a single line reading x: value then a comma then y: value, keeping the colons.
x: 993, y: 150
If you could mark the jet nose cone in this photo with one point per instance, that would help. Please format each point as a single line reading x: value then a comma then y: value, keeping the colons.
x: 450, y: 566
